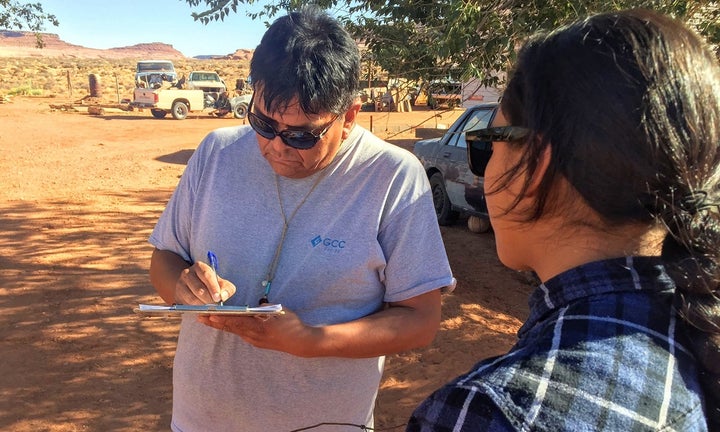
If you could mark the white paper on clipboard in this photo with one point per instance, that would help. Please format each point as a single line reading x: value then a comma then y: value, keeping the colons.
x: 208, y: 309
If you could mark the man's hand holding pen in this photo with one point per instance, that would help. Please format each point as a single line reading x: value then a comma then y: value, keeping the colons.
x: 200, y: 284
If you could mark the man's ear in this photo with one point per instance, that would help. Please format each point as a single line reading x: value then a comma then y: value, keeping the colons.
x: 350, y: 117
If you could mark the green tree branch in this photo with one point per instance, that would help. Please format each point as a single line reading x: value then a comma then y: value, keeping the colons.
x: 462, y: 38
x: 25, y: 16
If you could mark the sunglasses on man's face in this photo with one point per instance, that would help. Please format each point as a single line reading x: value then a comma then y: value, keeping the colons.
x: 479, y: 144
x: 301, y: 139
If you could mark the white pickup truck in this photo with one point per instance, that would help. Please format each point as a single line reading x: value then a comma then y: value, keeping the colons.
x: 180, y: 102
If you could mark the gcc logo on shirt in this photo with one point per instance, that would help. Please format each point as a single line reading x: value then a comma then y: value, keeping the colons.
x: 328, y: 243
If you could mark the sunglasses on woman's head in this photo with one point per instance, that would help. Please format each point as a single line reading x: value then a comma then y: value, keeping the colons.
x: 479, y: 144
x: 301, y: 139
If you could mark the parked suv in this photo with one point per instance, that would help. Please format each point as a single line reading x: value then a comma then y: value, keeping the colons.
x: 152, y: 73
x: 456, y: 190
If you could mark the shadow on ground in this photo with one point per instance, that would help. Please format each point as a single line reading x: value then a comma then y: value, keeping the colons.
x: 69, y: 334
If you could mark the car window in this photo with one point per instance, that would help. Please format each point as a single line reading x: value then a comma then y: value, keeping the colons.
x: 478, y: 119
x: 154, y: 66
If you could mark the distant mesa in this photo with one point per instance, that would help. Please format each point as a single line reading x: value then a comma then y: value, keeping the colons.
x: 23, y: 44
x: 10, y: 33
x: 241, y: 54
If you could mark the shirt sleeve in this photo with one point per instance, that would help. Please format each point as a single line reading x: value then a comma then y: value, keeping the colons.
x: 411, y: 240
x: 458, y: 408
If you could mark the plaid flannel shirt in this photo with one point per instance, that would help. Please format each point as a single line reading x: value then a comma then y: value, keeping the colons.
x: 600, y: 351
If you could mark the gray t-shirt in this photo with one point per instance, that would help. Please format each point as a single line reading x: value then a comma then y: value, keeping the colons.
x: 367, y: 234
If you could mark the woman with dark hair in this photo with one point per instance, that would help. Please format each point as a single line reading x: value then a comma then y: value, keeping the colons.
x: 602, y: 175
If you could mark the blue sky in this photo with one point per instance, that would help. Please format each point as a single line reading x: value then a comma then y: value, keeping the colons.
x: 106, y: 24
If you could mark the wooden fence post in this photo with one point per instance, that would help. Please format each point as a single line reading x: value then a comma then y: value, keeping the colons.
x: 69, y: 83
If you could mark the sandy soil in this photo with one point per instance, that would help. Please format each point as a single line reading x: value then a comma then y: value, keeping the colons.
x: 79, y: 195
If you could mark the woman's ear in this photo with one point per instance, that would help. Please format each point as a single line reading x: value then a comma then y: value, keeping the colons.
x: 350, y: 117
x: 542, y: 166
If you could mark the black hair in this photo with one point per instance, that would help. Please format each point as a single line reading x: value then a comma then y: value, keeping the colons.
x: 309, y: 55
x: 629, y: 103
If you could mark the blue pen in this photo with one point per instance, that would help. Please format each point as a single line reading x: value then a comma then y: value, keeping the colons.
x: 212, y: 258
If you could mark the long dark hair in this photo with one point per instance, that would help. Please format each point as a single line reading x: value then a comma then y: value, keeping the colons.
x: 630, y: 104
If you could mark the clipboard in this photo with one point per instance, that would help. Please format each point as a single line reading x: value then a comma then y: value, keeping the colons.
x: 208, y: 309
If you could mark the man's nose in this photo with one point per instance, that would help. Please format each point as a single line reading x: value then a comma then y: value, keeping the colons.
x: 278, y: 146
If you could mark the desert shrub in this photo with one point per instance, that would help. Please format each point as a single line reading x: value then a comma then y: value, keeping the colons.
x: 25, y: 91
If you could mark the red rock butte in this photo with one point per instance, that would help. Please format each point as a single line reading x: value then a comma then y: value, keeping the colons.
x: 24, y: 44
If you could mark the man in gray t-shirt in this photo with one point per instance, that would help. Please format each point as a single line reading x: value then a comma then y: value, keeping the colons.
x: 308, y: 210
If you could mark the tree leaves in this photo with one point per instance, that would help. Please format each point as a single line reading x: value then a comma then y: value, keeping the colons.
x: 462, y: 39
x: 20, y: 16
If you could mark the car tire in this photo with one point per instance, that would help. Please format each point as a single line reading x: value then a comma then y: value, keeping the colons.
x: 240, y: 110
x: 478, y: 224
x: 158, y: 113
x: 179, y: 110
x: 441, y: 200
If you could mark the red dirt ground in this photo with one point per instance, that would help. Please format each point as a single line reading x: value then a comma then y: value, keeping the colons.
x: 79, y: 196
